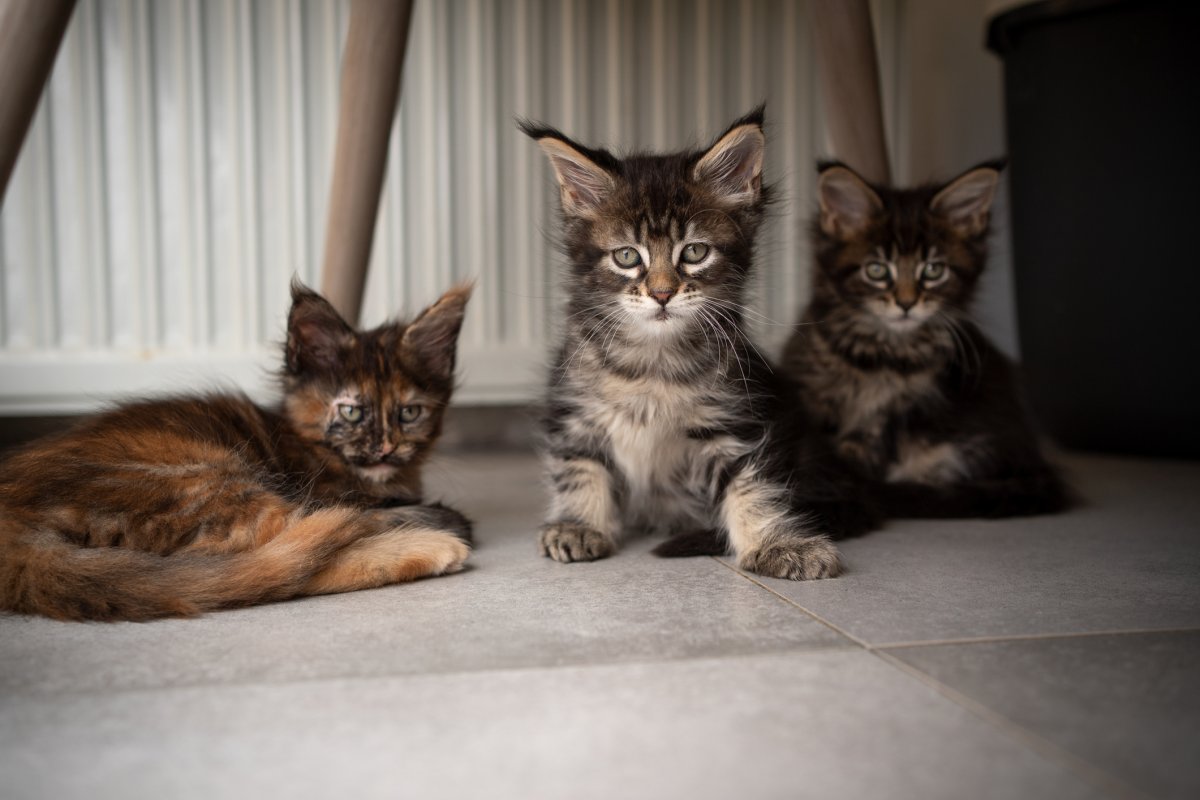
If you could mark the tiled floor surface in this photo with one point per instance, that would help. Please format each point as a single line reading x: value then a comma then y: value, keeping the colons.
x: 1056, y: 657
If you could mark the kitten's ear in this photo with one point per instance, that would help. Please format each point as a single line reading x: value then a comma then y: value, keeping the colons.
x: 733, y: 166
x: 966, y: 202
x: 317, y: 334
x: 847, y: 202
x: 432, y: 337
x: 584, y: 184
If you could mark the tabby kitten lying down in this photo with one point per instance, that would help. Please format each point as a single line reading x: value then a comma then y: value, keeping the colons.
x: 908, y: 391
x: 660, y: 413
x: 174, y: 507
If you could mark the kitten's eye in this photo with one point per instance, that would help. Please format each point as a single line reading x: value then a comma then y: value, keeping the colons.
x: 694, y: 253
x: 876, y: 271
x: 933, y: 271
x: 350, y: 413
x: 627, y: 257
x: 411, y: 413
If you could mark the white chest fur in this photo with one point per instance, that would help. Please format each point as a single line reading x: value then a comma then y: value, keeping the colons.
x: 855, y: 399
x: 645, y: 423
x: 866, y: 396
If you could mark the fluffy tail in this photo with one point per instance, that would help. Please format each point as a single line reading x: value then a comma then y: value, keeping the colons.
x: 839, y: 519
x: 696, y: 543
x: 1025, y: 496
x: 844, y: 519
x: 45, y: 574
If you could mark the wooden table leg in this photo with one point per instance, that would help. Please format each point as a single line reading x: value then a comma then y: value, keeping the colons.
x: 370, y: 91
x: 849, y: 73
x: 30, y: 34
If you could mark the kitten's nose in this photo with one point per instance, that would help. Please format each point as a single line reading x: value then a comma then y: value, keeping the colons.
x: 663, y: 296
x: 907, y: 303
x: 386, y: 449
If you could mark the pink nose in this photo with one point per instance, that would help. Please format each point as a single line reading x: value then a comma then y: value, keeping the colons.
x: 386, y: 449
x: 663, y: 296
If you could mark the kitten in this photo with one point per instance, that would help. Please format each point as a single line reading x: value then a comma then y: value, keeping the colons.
x: 911, y: 395
x: 174, y: 507
x: 660, y: 412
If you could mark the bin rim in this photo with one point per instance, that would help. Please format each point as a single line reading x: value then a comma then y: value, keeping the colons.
x: 1008, y: 18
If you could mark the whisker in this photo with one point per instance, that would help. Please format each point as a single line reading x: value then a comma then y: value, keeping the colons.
x: 591, y: 334
x: 964, y: 346
x: 757, y: 316
x: 750, y: 342
x: 710, y: 322
x: 615, y: 328
x: 720, y: 329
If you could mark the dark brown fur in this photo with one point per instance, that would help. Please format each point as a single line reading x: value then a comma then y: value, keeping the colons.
x: 907, y: 391
x: 175, y: 507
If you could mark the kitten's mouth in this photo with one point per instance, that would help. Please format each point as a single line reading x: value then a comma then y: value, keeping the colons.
x: 900, y: 322
x: 904, y: 323
x: 378, y: 472
x: 662, y: 315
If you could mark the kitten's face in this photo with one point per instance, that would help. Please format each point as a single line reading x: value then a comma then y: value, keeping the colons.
x: 659, y: 244
x: 661, y: 269
x: 375, y: 398
x: 902, y: 289
x: 903, y: 257
x: 378, y: 425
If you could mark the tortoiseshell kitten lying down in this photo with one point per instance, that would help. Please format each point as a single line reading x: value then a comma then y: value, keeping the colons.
x: 911, y: 395
x: 661, y: 414
x: 175, y: 507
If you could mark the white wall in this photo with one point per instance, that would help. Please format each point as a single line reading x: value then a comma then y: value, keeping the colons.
x: 176, y: 174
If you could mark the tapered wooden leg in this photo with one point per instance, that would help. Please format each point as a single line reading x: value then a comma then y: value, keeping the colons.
x: 30, y: 34
x: 370, y: 91
x: 849, y: 73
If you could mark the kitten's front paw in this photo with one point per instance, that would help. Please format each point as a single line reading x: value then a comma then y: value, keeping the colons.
x: 797, y: 558
x: 449, y: 554
x: 570, y: 541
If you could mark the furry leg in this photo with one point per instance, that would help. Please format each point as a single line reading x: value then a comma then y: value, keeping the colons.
x: 423, y: 541
x: 583, y: 515
x: 768, y: 537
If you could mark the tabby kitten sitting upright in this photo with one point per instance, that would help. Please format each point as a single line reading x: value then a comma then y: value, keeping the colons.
x: 660, y: 412
x: 910, y: 393
x: 174, y: 507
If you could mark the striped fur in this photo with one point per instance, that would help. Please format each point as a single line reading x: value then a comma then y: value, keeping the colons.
x: 911, y: 396
x: 176, y: 507
x: 660, y: 413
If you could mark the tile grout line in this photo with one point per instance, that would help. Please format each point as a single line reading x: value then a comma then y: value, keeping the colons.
x: 1025, y: 637
x: 1016, y: 637
x: 1074, y: 764
x: 1044, y: 747
x: 402, y: 676
x: 861, y: 643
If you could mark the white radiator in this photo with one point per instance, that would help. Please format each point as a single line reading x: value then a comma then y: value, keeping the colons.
x: 176, y: 176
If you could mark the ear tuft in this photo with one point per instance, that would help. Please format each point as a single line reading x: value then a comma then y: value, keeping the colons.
x: 733, y: 166
x: 583, y: 183
x: 432, y: 338
x: 317, y: 335
x: 966, y: 201
x: 847, y: 202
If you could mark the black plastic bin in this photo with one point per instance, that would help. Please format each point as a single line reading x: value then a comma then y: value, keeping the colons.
x: 1102, y: 105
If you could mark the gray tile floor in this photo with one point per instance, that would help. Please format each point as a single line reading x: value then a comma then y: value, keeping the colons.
x: 1052, y: 657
